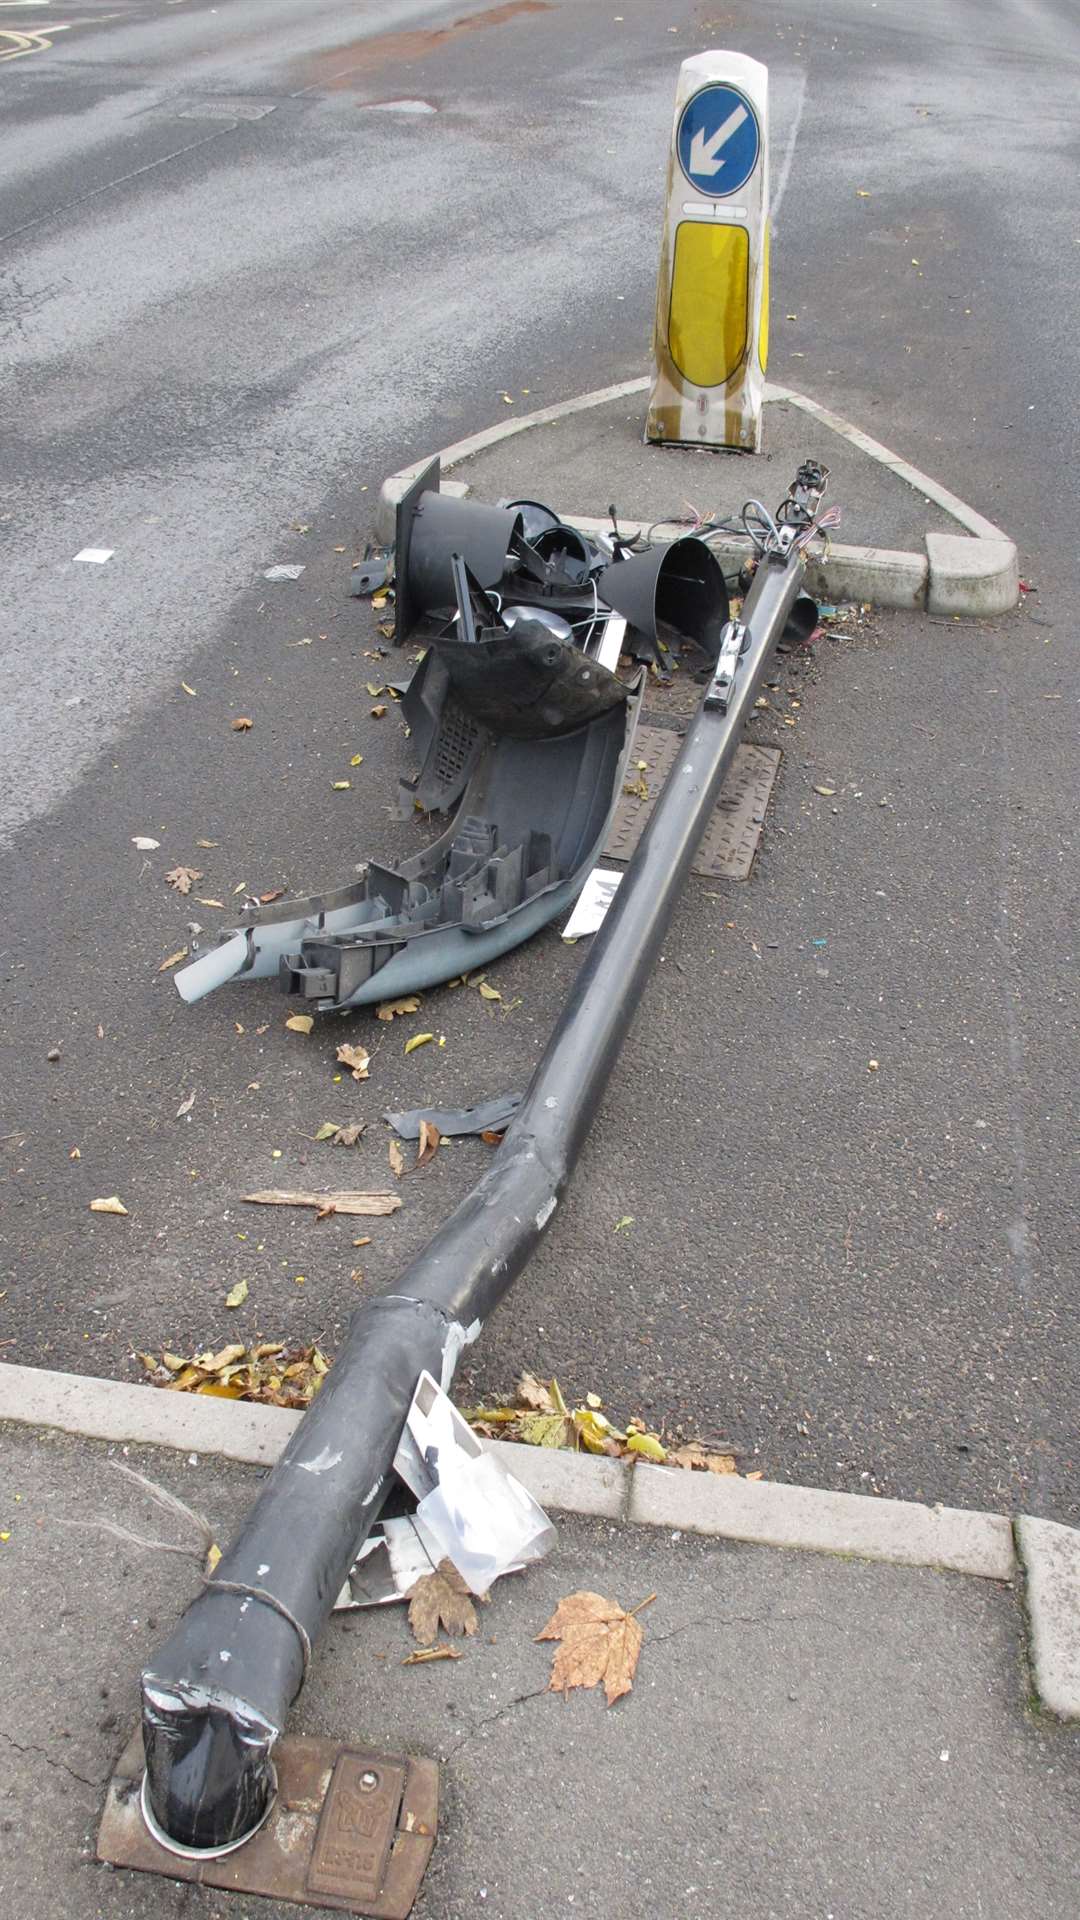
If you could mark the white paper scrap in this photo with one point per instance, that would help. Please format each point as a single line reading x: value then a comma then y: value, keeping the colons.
x: 97, y: 556
x: 592, y: 903
x: 283, y: 573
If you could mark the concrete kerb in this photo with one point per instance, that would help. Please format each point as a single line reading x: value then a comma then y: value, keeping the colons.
x: 976, y: 573
x: 762, y: 1513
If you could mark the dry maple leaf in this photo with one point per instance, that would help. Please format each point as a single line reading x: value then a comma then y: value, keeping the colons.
x: 429, y: 1142
x: 358, y: 1058
x: 181, y: 879
x: 600, y: 1642
x: 389, y: 1009
x: 532, y: 1392
x: 441, y: 1599
x: 349, y: 1135
x: 700, y: 1457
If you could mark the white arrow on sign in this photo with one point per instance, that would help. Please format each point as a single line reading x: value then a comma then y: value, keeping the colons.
x: 704, y: 154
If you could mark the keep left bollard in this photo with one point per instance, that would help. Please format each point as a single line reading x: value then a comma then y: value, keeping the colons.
x: 712, y: 300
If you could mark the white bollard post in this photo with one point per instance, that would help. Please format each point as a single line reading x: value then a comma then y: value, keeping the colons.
x: 711, y: 338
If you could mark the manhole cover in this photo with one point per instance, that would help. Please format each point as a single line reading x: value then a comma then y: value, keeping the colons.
x: 731, y: 838
x: 349, y: 1830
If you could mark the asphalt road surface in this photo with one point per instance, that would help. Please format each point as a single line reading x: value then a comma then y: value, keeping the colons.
x: 240, y: 281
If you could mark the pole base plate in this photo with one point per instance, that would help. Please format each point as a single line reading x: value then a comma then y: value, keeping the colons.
x: 349, y: 1830
x: 730, y: 841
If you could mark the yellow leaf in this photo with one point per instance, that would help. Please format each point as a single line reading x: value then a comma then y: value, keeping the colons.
x: 489, y: 993
x: 357, y: 760
x: 374, y: 690
x: 327, y: 1130
x: 111, y: 1205
x: 188, y: 689
x: 593, y: 1400
x: 418, y: 1040
x: 300, y: 1022
x: 647, y: 1445
x: 221, y: 1390
x: 180, y: 954
x: 341, y: 786
x: 213, y: 1556
x: 237, y: 1295
x: 622, y: 1225
x: 389, y: 1009
x: 209, y: 903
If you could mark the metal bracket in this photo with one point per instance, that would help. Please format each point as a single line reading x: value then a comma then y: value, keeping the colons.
x: 734, y: 641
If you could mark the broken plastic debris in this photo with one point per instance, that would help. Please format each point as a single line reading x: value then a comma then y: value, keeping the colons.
x: 489, y: 1117
x: 480, y: 1517
x: 283, y: 573
x: 592, y: 903
x: 96, y: 556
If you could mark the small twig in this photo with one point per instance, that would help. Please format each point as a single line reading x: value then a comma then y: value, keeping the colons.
x: 641, y: 1605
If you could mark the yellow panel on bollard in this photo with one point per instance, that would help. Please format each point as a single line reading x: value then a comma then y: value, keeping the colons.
x: 711, y: 339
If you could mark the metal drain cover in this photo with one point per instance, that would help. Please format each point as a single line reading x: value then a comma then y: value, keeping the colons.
x: 731, y: 838
x: 350, y: 1830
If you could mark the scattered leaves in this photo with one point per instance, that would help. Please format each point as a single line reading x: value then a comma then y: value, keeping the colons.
x: 358, y: 1059
x: 237, y: 1295
x: 600, y: 1642
x: 699, y: 1458
x: 418, y: 1040
x: 429, y: 1142
x: 181, y: 879
x: 327, y: 1130
x: 300, y: 1022
x: 390, y: 1009
x: 423, y: 1656
x: 270, y: 1373
x: 340, y: 1202
x: 441, y: 1600
x: 242, y: 724
x: 539, y: 1416
x: 113, y: 1204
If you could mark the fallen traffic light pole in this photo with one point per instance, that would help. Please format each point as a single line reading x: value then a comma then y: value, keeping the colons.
x: 217, y: 1693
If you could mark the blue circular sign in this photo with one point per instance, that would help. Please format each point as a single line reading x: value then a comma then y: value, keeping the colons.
x: 718, y: 141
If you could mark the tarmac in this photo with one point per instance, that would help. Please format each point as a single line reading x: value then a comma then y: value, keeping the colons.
x: 813, y: 1730
x: 845, y: 1707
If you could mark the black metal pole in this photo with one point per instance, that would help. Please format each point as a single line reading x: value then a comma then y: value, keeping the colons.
x: 217, y: 1693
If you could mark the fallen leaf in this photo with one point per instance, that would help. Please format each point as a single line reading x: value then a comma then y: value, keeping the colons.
x: 358, y: 1058
x: 861, y: 193
x: 242, y: 724
x: 422, y: 1656
x: 491, y: 1138
x: 489, y: 993
x: 112, y: 1205
x: 327, y: 1130
x: 180, y: 879
x: 349, y: 1136
x: 441, y: 1599
x: 300, y: 1022
x: 826, y: 791
x: 341, y: 786
x: 600, y: 1642
x: 374, y: 690
x: 532, y: 1392
x: 429, y: 1142
x: 188, y: 689
x: 357, y: 760
x: 342, y: 1202
x: 692, y: 1457
x: 272, y: 893
x: 390, y: 1009
x: 185, y: 1106
x: 213, y: 1556
x: 379, y: 712
x: 74, y: 1154
x: 364, y: 1240
x: 647, y: 1445
x: 237, y: 1295
x: 207, y: 843
x: 209, y: 903
x: 144, y: 843
x: 418, y: 1040
x: 397, y: 1159
x: 622, y: 1225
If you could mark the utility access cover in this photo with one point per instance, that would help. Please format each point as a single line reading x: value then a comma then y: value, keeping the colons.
x: 349, y: 1830
x: 731, y: 838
